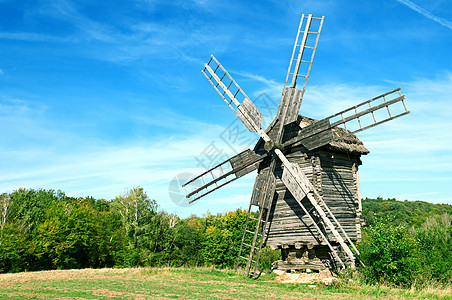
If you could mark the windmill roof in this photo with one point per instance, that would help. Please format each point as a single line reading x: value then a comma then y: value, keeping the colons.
x: 350, y: 144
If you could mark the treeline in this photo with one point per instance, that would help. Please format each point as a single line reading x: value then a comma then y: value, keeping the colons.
x: 410, y: 213
x: 403, y: 242
x: 45, y: 229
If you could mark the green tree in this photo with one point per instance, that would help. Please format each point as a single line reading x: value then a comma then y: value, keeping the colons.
x: 390, y: 254
x: 222, y: 242
x: 137, y: 213
x: 15, y: 250
x: 435, y: 246
x: 5, y: 213
x: 30, y: 206
x: 188, y: 241
x: 71, y: 236
x: 110, y: 221
x: 21, y: 213
x: 217, y: 248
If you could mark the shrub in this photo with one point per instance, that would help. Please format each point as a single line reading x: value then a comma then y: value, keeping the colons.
x: 390, y: 253
x: 434, y: 238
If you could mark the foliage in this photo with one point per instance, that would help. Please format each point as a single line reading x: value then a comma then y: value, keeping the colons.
x: 188, y: 242
x: 71, y: 237
x: 402, y: 255
x: 267, y: 258
x: 217, y: 247
x: 44, y: 229
x: 222, y: 241
x: 14, y: 249
x: 389, y: 252
x: 409, y: 213
x: 434, y: 238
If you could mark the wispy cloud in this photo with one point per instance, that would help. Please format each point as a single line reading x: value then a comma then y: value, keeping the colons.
x: 67, y: 11
x: 271, y: 87
x: 407, y: 148
x: 426, y: 13
x: 127, y: 39
x: 52, y: 157
x: 32, y: 37
x: 415, y: 148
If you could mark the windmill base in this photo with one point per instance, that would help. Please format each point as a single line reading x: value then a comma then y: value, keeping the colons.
x: 315, y: 258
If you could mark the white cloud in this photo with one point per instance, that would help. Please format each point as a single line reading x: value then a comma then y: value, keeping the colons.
x: 426, y: 13
x: 33, y: 37
x: 52, y: 157
x: 412, y: 153
x: 409, y: 156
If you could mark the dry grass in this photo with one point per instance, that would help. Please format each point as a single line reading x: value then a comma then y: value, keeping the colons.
x: 184, y: 283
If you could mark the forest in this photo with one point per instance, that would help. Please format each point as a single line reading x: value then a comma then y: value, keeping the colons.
x: 403, y: 241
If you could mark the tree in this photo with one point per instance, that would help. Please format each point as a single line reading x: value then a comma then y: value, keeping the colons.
x: 217, y: 248
x: 30, y: 206
x: 5, y: 212
x: 137, y: 213
x: 222, y: 242
x: 188, y: 242
x: 435, y: 246
x: 71, y: 237
x: 390, y: 254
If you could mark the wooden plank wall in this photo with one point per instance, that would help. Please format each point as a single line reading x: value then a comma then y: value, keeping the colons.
x: 334, y: 178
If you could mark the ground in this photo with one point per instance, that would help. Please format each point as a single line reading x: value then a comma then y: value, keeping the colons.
x: 189, y: 283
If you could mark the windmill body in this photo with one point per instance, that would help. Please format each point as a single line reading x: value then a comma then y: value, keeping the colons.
x: 306, y: 192
x: 333, y: 170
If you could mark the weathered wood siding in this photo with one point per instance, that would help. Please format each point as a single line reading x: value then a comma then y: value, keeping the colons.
x: 334, y: 178
x: 340, y: 189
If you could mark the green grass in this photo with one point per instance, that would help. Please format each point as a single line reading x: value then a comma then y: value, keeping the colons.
x: 187, y: 283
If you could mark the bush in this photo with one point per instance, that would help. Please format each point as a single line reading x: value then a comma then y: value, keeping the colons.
x: 390, y: 253
x: 267, y: 258
x: 399, y: 255
x: 434, y: 238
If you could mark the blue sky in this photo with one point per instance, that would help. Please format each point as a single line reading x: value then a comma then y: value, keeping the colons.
x: 97, y: 97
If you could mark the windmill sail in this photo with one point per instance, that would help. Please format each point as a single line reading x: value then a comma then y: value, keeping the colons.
x: 245, y: 110
x: 299, y: 66
x: 222, y: 174
x: 355, y: 119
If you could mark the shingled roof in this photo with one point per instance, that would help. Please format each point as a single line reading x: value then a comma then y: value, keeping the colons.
x: 350, y: 144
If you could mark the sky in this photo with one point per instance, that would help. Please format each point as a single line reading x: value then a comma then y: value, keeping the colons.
x: 99, y: 97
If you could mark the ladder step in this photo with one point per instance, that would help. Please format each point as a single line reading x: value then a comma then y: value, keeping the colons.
x: 246, y: 258
x: 253, y: 218
x: 247, y: 245
x: 314, y: 32
x: 309, y: 47
x: 252, y: 232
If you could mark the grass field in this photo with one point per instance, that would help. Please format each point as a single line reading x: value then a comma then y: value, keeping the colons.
x: 185, y: 283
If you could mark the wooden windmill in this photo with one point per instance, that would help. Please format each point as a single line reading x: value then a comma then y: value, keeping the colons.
x: 307, y: 187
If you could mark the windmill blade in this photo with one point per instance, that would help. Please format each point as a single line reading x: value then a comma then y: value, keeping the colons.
x: 301, y: 49
x: 222, y: 174
x: 358, y: 118
x: 299, y: 66
x: 245, y: 110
